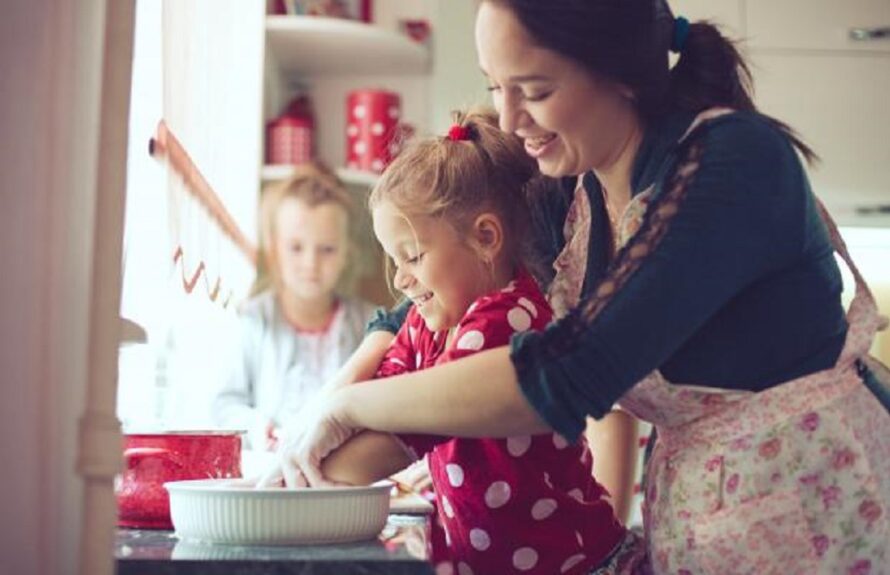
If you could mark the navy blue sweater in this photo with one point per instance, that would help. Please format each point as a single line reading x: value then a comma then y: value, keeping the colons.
x: 742, y: 291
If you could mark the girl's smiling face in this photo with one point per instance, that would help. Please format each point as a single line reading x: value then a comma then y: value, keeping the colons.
x: 570, y: 120
x: 435, y: 267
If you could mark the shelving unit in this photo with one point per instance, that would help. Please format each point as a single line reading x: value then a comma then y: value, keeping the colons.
x: 311, y: 45
x: 274, y: 173
x: 327, y: 58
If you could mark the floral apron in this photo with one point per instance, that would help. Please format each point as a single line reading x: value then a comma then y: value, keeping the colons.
x: 794, y: 479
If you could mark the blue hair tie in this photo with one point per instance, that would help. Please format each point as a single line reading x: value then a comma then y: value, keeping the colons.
x: 681, y: 32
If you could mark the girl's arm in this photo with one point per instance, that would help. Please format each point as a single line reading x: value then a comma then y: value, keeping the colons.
x: 364, y: 459
x: 364, y: 361
x: 613, y: 442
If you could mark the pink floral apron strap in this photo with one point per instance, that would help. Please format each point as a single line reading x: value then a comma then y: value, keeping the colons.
x: 862, y: 316
x: 703, y: 117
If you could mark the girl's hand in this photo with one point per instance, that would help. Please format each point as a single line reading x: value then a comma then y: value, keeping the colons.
x: 322, y: 427
x: 271, y: 436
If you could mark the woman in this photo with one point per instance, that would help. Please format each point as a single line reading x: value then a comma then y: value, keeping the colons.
x: 718, y: 319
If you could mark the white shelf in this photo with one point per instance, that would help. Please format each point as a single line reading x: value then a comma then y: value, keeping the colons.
x: 276, y: 172
x: 331, y: 46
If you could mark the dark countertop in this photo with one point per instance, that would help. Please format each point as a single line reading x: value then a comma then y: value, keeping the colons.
x: 401, y: 549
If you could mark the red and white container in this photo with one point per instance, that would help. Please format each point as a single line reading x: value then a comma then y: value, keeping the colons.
x: 289, y: 137
x: 373, y: 129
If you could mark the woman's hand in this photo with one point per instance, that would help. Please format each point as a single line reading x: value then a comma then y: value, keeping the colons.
x: 320, y: 428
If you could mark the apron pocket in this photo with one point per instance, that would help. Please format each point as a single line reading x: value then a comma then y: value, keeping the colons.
x: 767, y: 535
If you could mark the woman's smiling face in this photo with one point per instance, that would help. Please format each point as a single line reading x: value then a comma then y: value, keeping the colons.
x: 570, y: 120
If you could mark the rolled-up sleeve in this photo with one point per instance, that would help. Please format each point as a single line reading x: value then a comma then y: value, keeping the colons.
x: 389, y: 320
x: 734, y: 224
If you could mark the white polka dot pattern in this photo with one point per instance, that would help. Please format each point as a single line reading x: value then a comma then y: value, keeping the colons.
x: 559, y: 441
x: 455, y: 474
x: 394, y: 112
x: 525, y: 558
x: 397, y: 361
x: 578, y: 537
x: 377, y: 128
x: 577, y: 495
x: 527, y: 304
x: 418, y: 360
x: 412, y: 335
x: 571, y: 562
x: 464, y: 569
x: 360, y: 147
x: 519, y: 319
x: 352, y: 131
x: 517, y: 446
x: 543, y: 508
x: 472, y: 340
x: 479, y: 539
x: 497, y: 494
x: 360, y: 112
x: 446, y: 507
x: 444, y: 568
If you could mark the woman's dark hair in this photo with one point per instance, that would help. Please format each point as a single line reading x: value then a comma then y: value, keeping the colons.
x: 628, y: 41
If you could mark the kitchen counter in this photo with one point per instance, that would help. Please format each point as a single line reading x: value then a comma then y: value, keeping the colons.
x: 401, y: 549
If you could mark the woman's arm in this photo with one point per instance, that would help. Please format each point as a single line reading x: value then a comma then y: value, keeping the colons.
x: 364, y: 459
x: 613, y: 442
x: 477, y: 396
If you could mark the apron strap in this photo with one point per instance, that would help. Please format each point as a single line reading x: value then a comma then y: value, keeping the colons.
x: 862, y: 316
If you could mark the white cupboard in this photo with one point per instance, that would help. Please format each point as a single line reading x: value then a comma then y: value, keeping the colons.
x: 823, y: 67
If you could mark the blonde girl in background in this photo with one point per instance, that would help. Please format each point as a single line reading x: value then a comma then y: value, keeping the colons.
x: 297, y: 329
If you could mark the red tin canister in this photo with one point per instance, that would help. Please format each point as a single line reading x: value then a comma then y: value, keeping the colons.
x: 372, y: 129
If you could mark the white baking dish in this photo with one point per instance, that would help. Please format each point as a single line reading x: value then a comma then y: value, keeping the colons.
x: 230, y: 511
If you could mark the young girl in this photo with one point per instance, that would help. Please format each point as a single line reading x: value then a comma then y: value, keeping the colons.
x: 297, y: 330
x: 449, y: 215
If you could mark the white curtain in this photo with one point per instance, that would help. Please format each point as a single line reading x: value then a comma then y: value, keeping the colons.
x: 197, y: 66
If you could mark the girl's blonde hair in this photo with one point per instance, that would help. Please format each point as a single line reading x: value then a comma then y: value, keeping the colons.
x: 314, y: 184
x: 478, y: 169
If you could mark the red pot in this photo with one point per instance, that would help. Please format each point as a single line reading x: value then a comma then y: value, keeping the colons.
x: 151, y: 459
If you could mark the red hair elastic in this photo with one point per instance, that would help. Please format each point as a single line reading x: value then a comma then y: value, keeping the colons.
x: 458, y: 133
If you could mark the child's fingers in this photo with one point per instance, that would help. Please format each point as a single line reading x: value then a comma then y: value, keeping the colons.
x: 293, y: 475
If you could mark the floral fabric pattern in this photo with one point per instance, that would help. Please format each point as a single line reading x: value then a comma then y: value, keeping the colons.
x: 793, y: 479
x: 571, y: 264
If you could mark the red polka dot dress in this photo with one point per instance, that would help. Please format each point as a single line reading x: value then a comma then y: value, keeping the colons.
x: 526, y: 504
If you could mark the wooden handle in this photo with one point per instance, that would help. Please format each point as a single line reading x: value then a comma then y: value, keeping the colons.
x: 165, y: 145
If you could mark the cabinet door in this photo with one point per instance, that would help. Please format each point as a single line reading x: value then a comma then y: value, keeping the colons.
x: 818, y: 24
x: 838, y: 104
